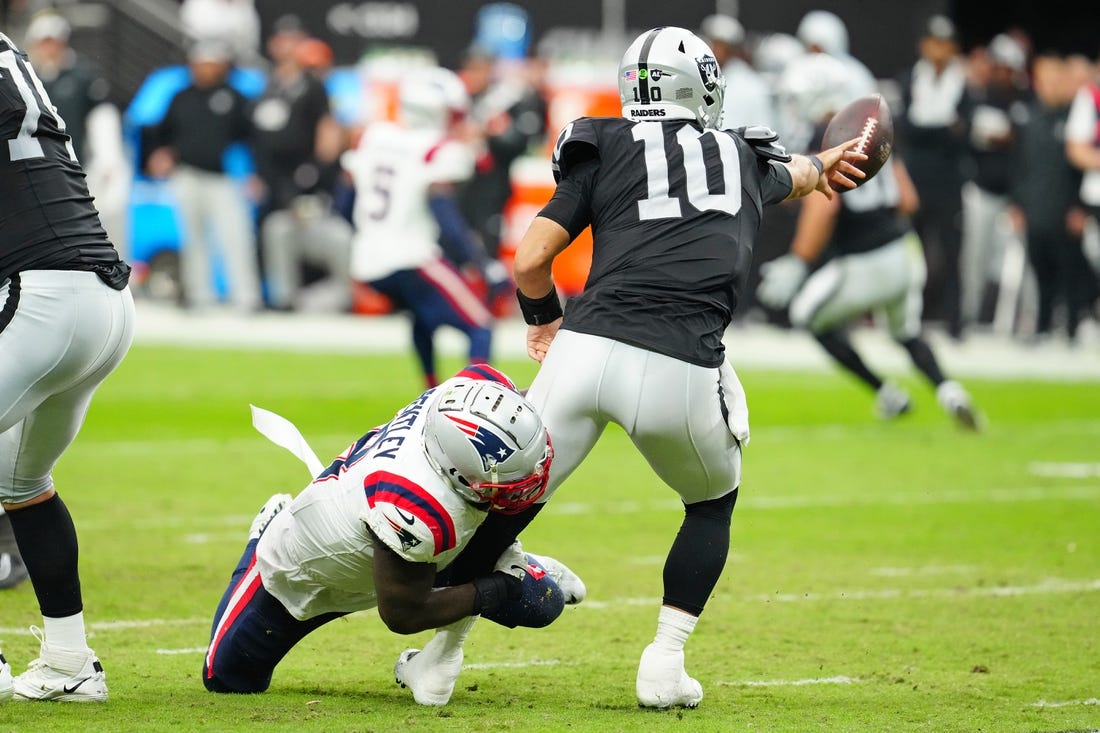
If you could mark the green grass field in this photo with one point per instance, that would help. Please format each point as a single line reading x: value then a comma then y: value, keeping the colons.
x: 882, y: 577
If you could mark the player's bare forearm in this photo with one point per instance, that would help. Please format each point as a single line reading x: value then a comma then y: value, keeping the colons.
x: 407, y: 602
x: 532, y: 268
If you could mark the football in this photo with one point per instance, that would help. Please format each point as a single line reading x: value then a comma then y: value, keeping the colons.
x: 867, y: 118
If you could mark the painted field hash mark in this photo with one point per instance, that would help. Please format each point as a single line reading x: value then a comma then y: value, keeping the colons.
x: 806, y: 501
x: 837, y: 680
x: 512, y: 665
x: 1064, y: 469
x: 888, y: 594
x: 1065, y: 703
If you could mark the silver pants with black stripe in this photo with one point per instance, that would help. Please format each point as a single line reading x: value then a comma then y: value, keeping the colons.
x: 66, y: 332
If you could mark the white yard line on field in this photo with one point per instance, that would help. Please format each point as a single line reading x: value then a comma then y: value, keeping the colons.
x: 889, y: 572
x: 1065, y: 703
x: 837, y: 680
x: 477, y: 665
x: 511, y: 665
x: 753, y: 502
x: 117, y: 625
x: 1064, y: 469
x: 1046, y: 587
x: 808, y: 501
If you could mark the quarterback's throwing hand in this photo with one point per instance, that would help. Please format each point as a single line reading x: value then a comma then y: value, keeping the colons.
x: 539, y: 338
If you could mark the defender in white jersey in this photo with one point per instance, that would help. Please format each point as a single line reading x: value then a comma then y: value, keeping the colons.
x: 371, y: 529
x: 410, y: 238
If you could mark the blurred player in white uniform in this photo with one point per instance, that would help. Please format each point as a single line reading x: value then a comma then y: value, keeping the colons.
x: 410, y: 238
x: 875, y: 256
x: 371, y: 529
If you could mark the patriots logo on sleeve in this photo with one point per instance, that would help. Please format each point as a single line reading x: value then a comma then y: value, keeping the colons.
x: 488, y: 444
x: 407, y: 539
x: 409, y: 503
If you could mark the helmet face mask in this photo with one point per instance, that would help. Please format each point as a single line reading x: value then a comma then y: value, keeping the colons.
x: 490, y: 444
x: 670, y: 73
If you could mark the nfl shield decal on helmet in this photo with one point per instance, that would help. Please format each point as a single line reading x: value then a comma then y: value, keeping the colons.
x: 708, y: 71
x: 488, y: 444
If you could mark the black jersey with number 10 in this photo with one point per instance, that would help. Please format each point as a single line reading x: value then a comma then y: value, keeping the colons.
x: 674, y: 210
x: 47, y: 218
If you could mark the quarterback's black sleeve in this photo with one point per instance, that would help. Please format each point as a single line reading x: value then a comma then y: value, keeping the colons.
x: 777, y: 183
x: 571, y: 204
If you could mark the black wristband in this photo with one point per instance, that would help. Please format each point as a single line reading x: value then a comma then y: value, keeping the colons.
x: 816, y: 161
x: 491, y: 591
x: 539, y: 312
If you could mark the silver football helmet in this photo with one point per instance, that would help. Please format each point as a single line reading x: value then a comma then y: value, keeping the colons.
x: 489, y: 442
x: 813, y: 87
x: 432, y: 98
x: 669, y: 73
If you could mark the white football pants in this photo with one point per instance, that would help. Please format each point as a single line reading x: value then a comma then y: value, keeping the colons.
x: 890, y: 278
x: 67, y: 333
x: 688, y: 421
x: 216, y: 218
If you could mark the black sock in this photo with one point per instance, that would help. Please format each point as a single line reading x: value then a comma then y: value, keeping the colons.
x: 698, y: 554
x: 838, y: 346
x: 47, y: 542
x: 923, y: 358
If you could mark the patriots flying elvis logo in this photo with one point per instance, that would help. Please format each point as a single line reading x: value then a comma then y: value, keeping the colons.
x: 487, y: 443
x: 407, y: 539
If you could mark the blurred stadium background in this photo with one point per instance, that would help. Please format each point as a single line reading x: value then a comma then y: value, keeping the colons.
x: 566, y: 49
x: 908, y: 579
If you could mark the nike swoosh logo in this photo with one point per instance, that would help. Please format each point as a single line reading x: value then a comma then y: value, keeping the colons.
x: 71, y: 690
x: 5, y: 566
x: 405, y: 517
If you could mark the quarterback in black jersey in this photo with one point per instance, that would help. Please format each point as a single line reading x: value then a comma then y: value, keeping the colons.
x: 674, y: 204
x: 66, y: 321
x: 876, y: 261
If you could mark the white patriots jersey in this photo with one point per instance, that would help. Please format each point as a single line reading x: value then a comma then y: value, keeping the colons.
x: 392, y: 170
x: 317, y: 555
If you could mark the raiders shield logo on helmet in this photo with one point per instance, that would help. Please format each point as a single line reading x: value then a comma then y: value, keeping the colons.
x: 708, y: 71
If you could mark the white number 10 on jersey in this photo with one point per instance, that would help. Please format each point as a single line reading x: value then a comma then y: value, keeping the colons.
x: 658, y: 204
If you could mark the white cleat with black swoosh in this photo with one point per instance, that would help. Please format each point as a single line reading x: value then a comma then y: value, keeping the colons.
x: 49, y: 677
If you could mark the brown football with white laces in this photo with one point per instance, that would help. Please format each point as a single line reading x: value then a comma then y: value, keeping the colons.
x: 867, y: 118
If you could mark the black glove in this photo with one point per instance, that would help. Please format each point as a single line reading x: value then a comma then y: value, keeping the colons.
x: 495, y: 589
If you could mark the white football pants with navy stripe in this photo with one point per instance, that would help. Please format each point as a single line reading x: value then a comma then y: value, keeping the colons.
x: 61, y: 334
x: 688, y: 421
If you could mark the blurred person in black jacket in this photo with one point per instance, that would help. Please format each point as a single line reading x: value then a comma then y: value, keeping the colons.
x: 932, y: 143
x: 999, y: 103
x: 1045, y: 201
x: 509, y: 117
x: 202, y: 120
x: 297, y: 143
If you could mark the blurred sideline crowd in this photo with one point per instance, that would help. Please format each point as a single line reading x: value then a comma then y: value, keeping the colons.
x: 253, y: 142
